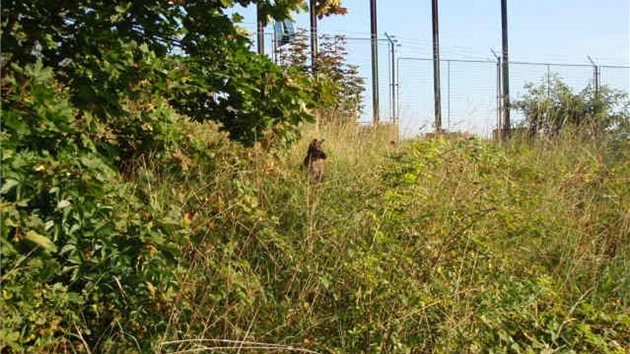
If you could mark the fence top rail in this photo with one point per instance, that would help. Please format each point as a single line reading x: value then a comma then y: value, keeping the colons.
x: 614, y: 66
x: 552, y: 64
x: 354, y: 38
x: 451, y: 60
x: 517, y: 62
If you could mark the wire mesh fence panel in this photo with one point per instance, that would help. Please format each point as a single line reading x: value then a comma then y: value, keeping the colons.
x: 360, y: 55
x: 468, y: 91
x: 615, y: 77
x: 576, y: 76
x: 469, y: 96
x: 415, y: 96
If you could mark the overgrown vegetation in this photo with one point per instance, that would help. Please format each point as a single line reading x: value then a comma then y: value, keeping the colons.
x: 133, y: 222
x: 552, y: 106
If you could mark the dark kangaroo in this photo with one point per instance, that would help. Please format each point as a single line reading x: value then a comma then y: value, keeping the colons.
x: 314, y: 160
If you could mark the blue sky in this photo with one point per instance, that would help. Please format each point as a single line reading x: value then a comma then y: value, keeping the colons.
x: 552, y: 30
x: 556, y: 31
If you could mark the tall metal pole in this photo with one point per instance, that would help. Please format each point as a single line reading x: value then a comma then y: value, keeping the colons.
x: 448, y: 95
x: 392, y: 81
x: 499, y: 126
x: 436, y: 68
x: 397, y: 90
x: 374, y: 32
x: 595, y: 76
x: 261, y: 31
x: 505, y: 70
x: 314, y: 47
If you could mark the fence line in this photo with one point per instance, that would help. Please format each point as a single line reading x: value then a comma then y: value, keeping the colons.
x: 471, y: 88
x: 470, y: 97
x: 477, y: 112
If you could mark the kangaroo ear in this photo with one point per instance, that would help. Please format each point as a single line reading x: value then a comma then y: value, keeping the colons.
x: 321, y: 141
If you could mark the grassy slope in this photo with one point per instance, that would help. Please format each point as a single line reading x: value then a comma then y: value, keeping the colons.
x: 445, y: 245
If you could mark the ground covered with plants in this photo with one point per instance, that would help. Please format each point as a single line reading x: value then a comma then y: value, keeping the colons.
x: 153, y: 201
x: 437, y: 246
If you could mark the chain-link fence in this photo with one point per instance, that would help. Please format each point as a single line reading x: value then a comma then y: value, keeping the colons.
x: 615, y: 77
x: 469, y: 92
x: 470, y: 89
x: 359, y: 54
x: 575, y: 76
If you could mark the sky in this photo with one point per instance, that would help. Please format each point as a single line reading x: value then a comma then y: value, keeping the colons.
x: 551, y: 31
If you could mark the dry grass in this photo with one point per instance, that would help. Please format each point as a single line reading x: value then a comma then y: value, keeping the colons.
x: 436, y: 246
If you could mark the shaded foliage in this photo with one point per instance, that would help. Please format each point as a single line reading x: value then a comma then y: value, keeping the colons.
x: 82, y: 256
x: 105, y: 51
x: 99, y: 100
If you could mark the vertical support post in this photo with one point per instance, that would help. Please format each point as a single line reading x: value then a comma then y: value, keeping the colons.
x: 274, y: 47
x: 505, y: 70
x: 596, y: 83
x: 261, y: 31
x: 397, y: 89
x: 314, y: 47
x: 595, y: 75
x: 392, y: 84
x: 448, y: 95
x: 499, y: 126
x: 374, y: 35
x: 436, y: 68
x: 548, y: 81
x: 499, y: 102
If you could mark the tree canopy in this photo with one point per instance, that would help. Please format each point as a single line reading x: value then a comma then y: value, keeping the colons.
x: 190, y: 52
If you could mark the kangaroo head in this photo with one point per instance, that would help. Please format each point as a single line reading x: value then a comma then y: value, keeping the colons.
x: 315, y: 151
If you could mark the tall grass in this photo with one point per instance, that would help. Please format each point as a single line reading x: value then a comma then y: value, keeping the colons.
x: 427, y: 246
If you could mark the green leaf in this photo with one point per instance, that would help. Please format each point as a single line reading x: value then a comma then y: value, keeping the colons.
x: 8, y: 185
x: 63, y: 204
x: 123, y: 8
x: 41, y: 241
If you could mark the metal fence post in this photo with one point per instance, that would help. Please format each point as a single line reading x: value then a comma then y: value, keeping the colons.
x: 260, y: 31
x: 499, y: 127
x: 548, y: 80
x: 506, y: 72
x: 314, y: 46
x: 397, y: 89
x: 392, y: 78
x: 595, y: 77
x: 448, y: 94
x: 374, y: 36
x: 436, y: 68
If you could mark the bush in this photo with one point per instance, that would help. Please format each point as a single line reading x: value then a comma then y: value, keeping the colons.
x: 552, y: 107
x: 84, y: 261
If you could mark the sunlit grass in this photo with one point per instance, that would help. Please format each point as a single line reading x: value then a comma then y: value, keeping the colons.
x: 432, y: 245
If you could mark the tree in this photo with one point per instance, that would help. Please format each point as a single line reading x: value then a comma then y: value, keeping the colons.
x: 551, y: 106
x: 325, y: 8
x: 339, y: 84
x: 98, y: 49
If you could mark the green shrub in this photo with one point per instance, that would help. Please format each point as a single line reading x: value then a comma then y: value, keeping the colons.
x: 84, y: 261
